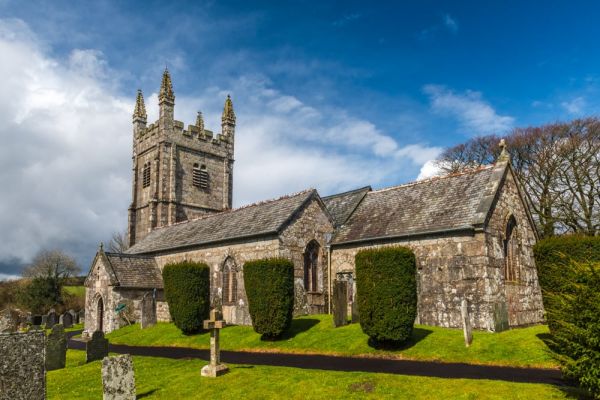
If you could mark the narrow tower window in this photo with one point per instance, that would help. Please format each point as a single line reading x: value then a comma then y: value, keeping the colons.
x: 511, y: 259
x: 146, y: 175
x: 200, y: 176
x: 229, y: 282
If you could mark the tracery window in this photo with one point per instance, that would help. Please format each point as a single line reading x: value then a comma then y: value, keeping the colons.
x: 200, y: 176
x: 146, y: 175
x: 311, y: 265
x: 229, y: 282
x: 511, y: 258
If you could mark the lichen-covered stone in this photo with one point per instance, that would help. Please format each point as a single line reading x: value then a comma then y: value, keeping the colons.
x: 118, y: 378
x: 22, y: 369
x: 56, y: 348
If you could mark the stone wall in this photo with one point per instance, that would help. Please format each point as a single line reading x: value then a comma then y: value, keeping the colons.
x: 22, y: 365
x: 523, y: 297
x: 310, y: 224
x: 215, y: 258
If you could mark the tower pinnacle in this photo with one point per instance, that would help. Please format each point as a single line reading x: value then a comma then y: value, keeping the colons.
x: 200, y: 122
x: 166, y: 88
x: 228, y: 114
x: 504, y: 156
x: 140, y: 108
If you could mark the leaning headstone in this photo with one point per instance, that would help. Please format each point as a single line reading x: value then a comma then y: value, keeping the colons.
x: 148, y: 311
x: 468, y: 332
x: 56, y: 348
x: 66, y: 320
x: 340, y: 303
x: 215, y: 368
x: 97, y: 347
x: 52, y: 319
x: 22, y: 369
x: 9, y: 320
x: 118, y: 378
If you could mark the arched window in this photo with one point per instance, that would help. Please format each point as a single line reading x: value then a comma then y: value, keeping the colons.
x: 200, y: 176
x: 311, y: 265
x: 511, y: 258
x: 229, y: 282
x: 146, y: 175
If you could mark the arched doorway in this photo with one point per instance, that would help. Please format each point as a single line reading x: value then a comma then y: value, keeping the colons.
x: 100, y: 315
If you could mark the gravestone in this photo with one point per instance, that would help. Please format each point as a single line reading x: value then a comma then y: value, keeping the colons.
x: 148, y: 311
x: 74, y: 316
x: 81, y: 316
x: 340, y: 303
x: 464, y: 313
x: 9, y: 320
x: 96, y: 348
x: 52, y: 319
x: 215, y: 368
x: 118, y: 378
x: 66, y: 320
x: 500, y: 317
x: 22, y: 369
x: 355, y: 317
x: 44, y: 320
x: 56, y: 348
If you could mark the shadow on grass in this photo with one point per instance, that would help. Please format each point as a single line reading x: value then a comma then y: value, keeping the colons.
x: 146, y: 394
x: 298, y: 326
x: 418, y: 334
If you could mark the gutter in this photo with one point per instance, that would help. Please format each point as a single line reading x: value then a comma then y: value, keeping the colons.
x: 465, y: 228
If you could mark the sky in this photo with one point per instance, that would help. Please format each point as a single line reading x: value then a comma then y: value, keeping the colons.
x: 328, y: 95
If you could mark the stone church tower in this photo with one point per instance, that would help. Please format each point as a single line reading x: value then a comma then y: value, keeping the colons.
x: 178, y: 174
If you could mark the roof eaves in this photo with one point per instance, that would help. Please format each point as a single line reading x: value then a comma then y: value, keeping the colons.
x: 464, y: 228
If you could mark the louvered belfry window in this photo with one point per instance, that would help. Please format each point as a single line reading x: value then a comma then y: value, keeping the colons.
x: 200, y: 176
x: 229, y: 282
x: 146, y: 175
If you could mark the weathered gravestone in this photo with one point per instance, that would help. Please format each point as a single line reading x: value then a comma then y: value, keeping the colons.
x: 118, y: 378
x: 97, y: 347
x: 66, y: 320
x: 9, y: 320
x: 148, y: 311
x: 56, y: 348
x: 468, y: 332
x: 74, y: 316
x: 51, y: 319
x: 355, y: 315
x: 81, y: 316
x: 44, y: 320
x: 22, y: 369
x: 215, y: 368
x: 340, y: 303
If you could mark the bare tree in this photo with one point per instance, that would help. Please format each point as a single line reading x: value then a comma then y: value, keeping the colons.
x: 118, y: 242
x: 558, y: 165
x: 53, y: 264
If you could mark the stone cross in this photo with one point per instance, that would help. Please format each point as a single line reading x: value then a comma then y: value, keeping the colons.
x: 464, y: 312
x: 215, y: 368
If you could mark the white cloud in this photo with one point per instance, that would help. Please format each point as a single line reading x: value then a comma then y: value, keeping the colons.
x: 450, y: 23
x: 66, y: 155
x: 474, y: 113
x: 429, y: 170
x: 575, y: 106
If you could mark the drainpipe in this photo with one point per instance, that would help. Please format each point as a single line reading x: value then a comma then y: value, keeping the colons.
x: 328, y: 237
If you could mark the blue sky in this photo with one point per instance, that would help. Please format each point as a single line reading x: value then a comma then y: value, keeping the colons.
x: 328, y: 95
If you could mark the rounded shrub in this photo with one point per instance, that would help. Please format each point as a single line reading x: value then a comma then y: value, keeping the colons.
x: 187, y: 291
x: 270, y: 290
x: 386, y: 289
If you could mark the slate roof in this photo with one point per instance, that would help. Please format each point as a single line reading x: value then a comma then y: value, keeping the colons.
x: 260, y: 219
x: 459, y: 201
x: 342, y: 205
x: 135, y: 271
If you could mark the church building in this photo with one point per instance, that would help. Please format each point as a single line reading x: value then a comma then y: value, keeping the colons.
x: 472, y: 233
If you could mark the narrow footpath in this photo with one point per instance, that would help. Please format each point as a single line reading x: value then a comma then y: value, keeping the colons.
x: 341, y: 363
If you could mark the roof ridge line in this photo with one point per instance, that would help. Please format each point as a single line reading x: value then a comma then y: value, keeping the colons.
x: 436, y: 178
x: 348, y: 192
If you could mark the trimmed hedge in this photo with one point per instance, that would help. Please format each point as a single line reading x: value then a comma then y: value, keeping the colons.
x: 569, y: 274
x: 187, y: 291
x: 386, y: 288
x: 270, y: 290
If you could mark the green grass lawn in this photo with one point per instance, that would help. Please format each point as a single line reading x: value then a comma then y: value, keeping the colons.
x: 315, y: 334
x: 75, y: 290
x: 160, y: 378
